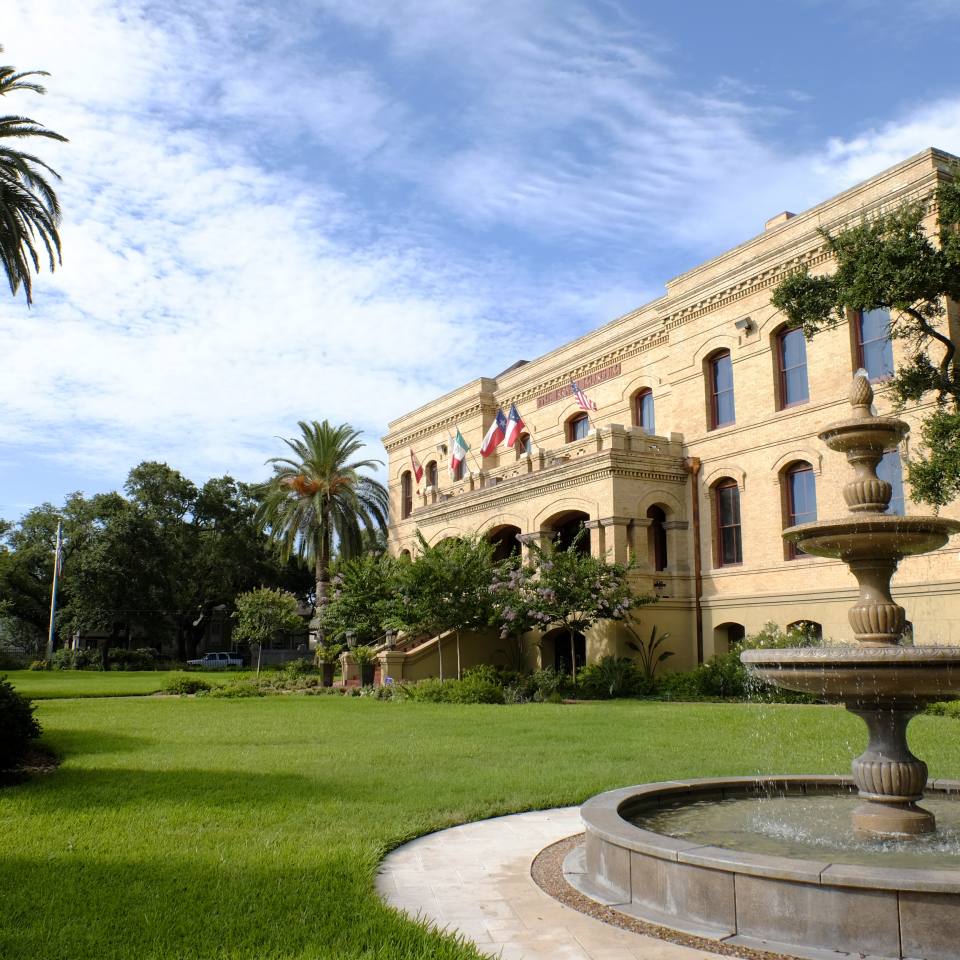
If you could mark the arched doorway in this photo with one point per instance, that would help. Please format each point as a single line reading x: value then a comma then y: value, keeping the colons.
x: 505, y: 542
x: 657, y: 538
x: 557, y: 648
x: 568, y: 529
x: 726, y: 636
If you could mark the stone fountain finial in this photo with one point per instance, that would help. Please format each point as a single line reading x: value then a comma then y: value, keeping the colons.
x: 861, y: 395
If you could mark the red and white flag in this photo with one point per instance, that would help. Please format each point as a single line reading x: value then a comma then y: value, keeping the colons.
x: 515, y: 425
x: 585, y: 402
x: 417, y: 466
x: 494, y: 435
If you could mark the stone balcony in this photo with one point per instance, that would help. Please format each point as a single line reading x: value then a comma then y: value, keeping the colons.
x: 610, y: 476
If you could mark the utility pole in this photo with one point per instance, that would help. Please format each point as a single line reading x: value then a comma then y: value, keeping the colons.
x: 57, y: 564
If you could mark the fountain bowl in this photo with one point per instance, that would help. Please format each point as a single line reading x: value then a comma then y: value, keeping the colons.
x: 862, y: 677
x: 865, y: 536
x: 792, y: 906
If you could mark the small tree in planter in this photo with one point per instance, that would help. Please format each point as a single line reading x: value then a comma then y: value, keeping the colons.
x: 446, y: 588
x: 570, y: 589
x: 262, y: 614
x: 327, y: 656
x: 363, y: 657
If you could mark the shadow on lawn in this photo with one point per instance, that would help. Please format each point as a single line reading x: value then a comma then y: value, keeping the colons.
x: 173, y: 906
x: 75, y: 743
x: 90, y: 788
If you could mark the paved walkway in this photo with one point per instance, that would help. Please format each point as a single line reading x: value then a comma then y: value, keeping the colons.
x: 475, y: 880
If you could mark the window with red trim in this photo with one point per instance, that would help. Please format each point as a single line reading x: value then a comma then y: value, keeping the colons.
x: 720, y: 371
x: 727, y: 513
x: 792, y: 367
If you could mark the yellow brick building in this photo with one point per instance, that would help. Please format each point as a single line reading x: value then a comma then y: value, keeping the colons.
x: 705, y: 405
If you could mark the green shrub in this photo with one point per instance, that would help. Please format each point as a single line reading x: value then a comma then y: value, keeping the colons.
x: 184, y: 684
x: 944, y: 708
x: 542, y: 683
x: 66, y: 659
x: 471, y: 689
x: 240, y: 688
x: 18, y: 726
x: 555, y: 697
x: 299, y: 667
x: 143, y: 658
x: 725, y: 677
x: 612, y: 677
x: 39, y: 665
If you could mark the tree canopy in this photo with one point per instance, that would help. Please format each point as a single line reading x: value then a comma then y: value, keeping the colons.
x: 319, y: 498
x: 891, y: 261
x: 29, y: 209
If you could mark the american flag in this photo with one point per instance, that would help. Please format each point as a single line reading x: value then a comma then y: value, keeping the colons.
x: 582, y: 399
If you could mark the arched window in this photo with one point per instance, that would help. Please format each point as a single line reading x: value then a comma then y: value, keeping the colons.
x: 874, y: 349
x: 792, y: 367
x: 643, y: 415
x: 460, y: 471
x: 524, y: 445
x: 809, y: 633
x: 726, y: 509
x: 430, y: 474
x: 657, y: 538
x: 578, y: 427
x: 406, y: 494
x: 891, y: 469
x: 720, y: 382
x: 800, y: 500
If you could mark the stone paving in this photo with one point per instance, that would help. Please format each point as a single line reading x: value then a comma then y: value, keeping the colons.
x: 475, y: 880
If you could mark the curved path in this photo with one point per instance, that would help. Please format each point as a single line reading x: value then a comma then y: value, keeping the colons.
x: 475, y: 880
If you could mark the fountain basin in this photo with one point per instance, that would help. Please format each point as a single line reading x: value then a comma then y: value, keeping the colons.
x: 789, y: 905
x: 862, y: 676
x: 867, y: 536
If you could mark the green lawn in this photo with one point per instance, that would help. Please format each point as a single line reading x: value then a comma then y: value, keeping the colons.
x: 199, y: 828
x: 43, y: 684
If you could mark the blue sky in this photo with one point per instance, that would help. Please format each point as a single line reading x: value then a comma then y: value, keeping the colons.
x: 298, y: 210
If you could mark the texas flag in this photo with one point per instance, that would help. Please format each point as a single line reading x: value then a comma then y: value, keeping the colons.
x: 494, y: 435
x: 514, y: 425
x: 416, y: 465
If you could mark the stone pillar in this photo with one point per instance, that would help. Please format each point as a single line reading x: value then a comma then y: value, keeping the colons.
x: 618, y: 436
x: 391, y: 665
x: 678, y: 556
x: 640, y: 544
x: 615, y: 539
x: 351, y: 672
x: 537, y: 538
x: 598, y: 547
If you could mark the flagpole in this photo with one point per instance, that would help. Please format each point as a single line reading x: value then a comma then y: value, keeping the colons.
x: 53, y: 589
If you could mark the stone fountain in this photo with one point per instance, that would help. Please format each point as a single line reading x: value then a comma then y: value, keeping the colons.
x: 869, y: 875
x: 880, y: 680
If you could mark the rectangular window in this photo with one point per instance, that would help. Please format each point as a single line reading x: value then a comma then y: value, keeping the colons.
x: 801, y: 502
x: 891, y: 470
x: 793, y: 368
x: 729, y: 545
x: 579, y: 427
x: 721, y: 368
x: 873, y: 344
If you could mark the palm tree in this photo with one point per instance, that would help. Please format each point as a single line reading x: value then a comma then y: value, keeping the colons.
x: 29, y: 209
x: 318, y: 497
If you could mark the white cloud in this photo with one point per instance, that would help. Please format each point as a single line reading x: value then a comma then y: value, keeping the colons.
x: 226, y: 274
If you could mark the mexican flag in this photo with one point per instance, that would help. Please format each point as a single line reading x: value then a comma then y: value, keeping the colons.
x: 458, y: 453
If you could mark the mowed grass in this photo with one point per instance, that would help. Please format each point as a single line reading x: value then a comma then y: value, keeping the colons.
x: 57, y: 684
x: 204, y: 828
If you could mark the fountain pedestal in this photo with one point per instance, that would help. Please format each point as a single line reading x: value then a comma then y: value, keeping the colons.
x: 889, y: 777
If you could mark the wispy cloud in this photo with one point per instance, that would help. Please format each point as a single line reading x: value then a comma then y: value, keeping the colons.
x: 298, y: 209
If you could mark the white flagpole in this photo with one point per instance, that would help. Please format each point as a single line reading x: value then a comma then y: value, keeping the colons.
x: 53, y: 589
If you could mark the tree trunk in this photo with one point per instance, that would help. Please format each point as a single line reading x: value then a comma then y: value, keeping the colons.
x: 573, y: 657
x: 323, y: 576
x: 459, y: 671
x: 440, y: 655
